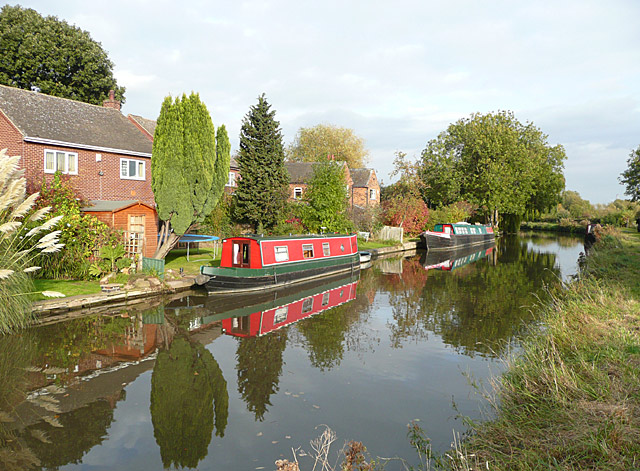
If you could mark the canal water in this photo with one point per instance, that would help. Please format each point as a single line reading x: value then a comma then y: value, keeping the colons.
x: 234, y: 383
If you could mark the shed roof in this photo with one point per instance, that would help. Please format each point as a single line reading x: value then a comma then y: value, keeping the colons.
x: 111, y: 206
x: 59, y: 121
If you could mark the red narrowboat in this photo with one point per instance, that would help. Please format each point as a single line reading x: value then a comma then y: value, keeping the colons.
x: 254, y: 262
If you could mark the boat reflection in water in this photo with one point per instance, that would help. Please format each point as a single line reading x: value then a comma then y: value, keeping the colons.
x: 449, y: 260
x: 291, y: 308
x: 261, y: 312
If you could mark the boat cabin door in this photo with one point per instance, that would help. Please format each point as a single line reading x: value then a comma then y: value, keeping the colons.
x: 241, y: 254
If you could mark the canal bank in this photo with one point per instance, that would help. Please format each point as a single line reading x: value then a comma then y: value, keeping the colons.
x: 570, y: 398
x: 138, y: 294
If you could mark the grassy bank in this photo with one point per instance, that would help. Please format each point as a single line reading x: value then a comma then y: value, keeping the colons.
x: 571, y: 399
x: 553, y: 227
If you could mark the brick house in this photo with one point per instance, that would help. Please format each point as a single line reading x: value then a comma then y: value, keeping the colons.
x: 105, y: 155
x: 234, y: 176
x: 363, y: 188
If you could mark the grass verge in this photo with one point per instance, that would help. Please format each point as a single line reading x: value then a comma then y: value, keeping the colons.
x: 66, y: 287
x: 571, y: 399
x: 177, y: 259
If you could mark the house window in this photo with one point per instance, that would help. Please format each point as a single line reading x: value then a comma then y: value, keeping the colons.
x: 232, y: 179
x: 325, y: 249
x: 297, y: 193
x: 307, y: 250
x: 132, y: 169
x: 372, y: 194
x: 63, y: 162
x: 282, y: 254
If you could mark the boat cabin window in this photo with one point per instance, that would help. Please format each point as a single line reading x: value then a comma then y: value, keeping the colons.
x: 325, y: 249
x: 282, y: 253
x: 240, y: 254
x: 280, y: 315
x: 325, y: 299
x: 240, y: 325
x: 307, y: 305
x: 307, y: 250
x: 447, y: 229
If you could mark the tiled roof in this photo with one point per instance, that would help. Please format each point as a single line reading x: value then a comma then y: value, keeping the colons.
x: 234, y: 163
x: 53, y: 120
x: 360, y: 177
x: 299, y: 172
x: 148, y: 125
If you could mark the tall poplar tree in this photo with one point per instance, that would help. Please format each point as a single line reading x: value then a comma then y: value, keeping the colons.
x: 264, y: 187
x: 185, y: 169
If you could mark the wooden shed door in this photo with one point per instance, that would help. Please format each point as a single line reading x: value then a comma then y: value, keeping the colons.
x: 136, y: 233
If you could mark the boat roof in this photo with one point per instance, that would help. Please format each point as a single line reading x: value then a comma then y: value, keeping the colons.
x: 260, y: 237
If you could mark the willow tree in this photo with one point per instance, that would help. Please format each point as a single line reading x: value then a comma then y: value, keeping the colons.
x: 316, y: 143
x: 186, y: 170
x: 496, y: 163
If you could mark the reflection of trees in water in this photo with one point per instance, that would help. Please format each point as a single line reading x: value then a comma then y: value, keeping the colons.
x: 477, y: 308
x: 327, y: 335
x: 16, y: 354
x: 77, y: 431
x: 259, y: 366
x: 185, y: 384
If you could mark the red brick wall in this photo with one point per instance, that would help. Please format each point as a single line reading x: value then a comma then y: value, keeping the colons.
x: 360, y: 196
x: 88, y: 182
x: 10, y: 137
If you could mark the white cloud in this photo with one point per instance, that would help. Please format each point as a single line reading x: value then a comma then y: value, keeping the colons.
x: 397, y: 73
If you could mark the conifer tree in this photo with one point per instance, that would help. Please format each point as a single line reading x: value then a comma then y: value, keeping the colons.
x: 263, y: 189
x: 184, y: 168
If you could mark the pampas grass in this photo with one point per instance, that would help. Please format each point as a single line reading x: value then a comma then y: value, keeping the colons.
x: 19, y: 247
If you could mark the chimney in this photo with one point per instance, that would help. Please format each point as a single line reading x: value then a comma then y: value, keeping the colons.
x: 111, y: 102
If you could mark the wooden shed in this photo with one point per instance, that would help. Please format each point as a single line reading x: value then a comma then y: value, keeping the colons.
x: 138, y: 221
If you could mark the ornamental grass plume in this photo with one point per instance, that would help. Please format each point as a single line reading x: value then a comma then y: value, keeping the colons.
x: 19, y: 246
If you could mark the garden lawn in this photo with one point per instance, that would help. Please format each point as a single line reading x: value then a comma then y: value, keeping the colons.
x: 66, y: 287
x: 177, y: 259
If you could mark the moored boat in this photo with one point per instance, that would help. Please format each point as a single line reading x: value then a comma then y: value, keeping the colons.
x: 453, y: 236
x: 254, y: 262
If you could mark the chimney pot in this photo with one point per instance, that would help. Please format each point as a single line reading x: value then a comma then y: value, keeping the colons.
x: 111, y: 102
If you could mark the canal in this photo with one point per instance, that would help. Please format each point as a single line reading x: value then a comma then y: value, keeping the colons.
x: 234, y: 383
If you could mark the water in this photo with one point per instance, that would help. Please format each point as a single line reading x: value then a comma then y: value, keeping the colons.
x: 178, y: 383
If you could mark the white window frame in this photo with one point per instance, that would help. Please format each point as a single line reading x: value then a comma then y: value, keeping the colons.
x: 326, y: 250
x: 232, y: 179
x: 281, y: 253
x: 372, y: 193
x: 127, y: 177
x: 280, y: 315
x: 65, y: 167
x: 297, y: 193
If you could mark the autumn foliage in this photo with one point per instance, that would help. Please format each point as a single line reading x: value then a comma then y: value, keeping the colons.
x: 411, y: 213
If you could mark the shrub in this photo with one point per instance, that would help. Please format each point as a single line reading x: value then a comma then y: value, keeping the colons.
x: 82, y: 235
x: 411, y: 213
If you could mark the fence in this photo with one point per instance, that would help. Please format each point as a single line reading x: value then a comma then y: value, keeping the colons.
x: 153, y: 264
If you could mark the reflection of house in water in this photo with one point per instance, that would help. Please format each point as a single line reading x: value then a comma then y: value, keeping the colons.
x: 287, y: 311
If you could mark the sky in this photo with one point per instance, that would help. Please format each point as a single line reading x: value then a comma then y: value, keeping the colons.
x: 397, y: 73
